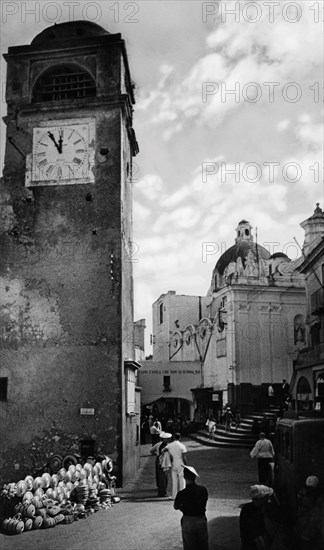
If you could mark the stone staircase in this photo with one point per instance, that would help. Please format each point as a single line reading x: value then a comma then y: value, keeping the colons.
x: 240, y: 438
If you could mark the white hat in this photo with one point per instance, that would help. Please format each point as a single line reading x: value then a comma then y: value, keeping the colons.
x: 312, y: 481
x: 165, y: 435
x: 260, y: 491
x: 191, y: 469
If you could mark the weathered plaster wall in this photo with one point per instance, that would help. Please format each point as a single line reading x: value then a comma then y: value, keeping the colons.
x: 61, y: 307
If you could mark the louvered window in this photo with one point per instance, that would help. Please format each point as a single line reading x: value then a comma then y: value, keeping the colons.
x: 64, y: 82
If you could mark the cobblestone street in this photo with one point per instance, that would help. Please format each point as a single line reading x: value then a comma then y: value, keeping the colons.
x: 143, y: 522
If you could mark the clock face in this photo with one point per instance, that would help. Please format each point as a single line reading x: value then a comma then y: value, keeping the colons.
x: 63, y: 153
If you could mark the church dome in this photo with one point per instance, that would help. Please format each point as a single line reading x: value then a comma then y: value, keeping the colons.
x: 277, y: 255
x: 241, y: 250
x: 73, y: 31
x: 243, y: 245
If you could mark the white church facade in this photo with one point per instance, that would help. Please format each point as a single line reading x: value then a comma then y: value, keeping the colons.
x: 241, y: 337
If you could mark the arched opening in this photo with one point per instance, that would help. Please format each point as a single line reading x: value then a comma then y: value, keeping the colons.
x: 304, y: 395
x: 64, y: 82
x: 320, y: 391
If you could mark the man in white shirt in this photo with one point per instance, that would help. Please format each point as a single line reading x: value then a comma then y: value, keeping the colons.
x: 155, y: 431
x: 263, y: 451
x: 177, y: 451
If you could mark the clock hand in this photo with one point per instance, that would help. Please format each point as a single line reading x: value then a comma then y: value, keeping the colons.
x: 60, y: 142
x: 54, y: 141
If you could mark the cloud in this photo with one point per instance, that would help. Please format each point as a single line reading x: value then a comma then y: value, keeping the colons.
x: 242, y: 53
x: 140, y: 211
x: 185, y: 217
x: 311, y: 136
x: 151, y: 186
x: 283, y: 125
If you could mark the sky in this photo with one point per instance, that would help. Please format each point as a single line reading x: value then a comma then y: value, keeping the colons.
x: 229, y: 121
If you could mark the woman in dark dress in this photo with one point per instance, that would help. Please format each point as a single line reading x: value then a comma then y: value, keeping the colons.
x: 161, y: 475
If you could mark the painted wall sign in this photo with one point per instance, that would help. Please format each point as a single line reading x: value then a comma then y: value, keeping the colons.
x: 87, y: 412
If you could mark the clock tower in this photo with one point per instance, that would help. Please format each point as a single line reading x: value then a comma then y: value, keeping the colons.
x: 68, y: 374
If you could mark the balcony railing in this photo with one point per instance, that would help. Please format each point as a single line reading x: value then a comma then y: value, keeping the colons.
x: 317, y: 302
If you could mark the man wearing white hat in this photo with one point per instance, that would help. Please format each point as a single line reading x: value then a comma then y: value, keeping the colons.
x: 192, y: 502
x: 161, y: 475
x: 177, y: 451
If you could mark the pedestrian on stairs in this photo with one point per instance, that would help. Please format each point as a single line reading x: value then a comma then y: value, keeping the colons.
x: 228, y: 419
x: 211, y: 425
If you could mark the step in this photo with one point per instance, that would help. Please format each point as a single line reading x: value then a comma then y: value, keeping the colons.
x: 233, y: 432
x: 247, y: 423
x: 260, y: 415
x: 218, y: 443
x: 229, y: 437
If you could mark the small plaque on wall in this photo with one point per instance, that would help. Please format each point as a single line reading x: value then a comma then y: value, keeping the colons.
x: 87, y: 412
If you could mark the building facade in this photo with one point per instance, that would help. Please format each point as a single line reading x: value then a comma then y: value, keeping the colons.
x: 68, y: 363
x: 171, y: 314
x: 308, y: 383
x: 166, y: 381
x: 242, y: 335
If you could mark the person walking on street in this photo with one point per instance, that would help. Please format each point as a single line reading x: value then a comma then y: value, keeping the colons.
x: 177, y: 452
x: 161, y: 475
x: 252, y: 525
x: 155, y: 431
x: 263, y: 451
x: 192, y: 502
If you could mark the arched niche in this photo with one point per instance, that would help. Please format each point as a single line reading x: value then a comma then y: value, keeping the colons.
x: 299, y: 330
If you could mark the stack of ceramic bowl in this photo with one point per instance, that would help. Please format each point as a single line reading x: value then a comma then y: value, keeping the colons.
x: 82, y: 492
x: 46, y: 480
x: 88, y: 468
x: 104, y: 495
x: 97, y: 469
x: 93, y: 501
x: 21, y: 488
x: 38, y: 483
x: 61, y: 474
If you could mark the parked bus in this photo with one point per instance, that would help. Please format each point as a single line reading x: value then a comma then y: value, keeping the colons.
x: 299, y: 454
